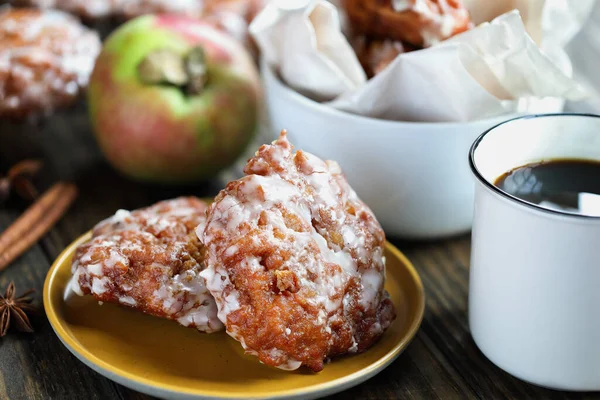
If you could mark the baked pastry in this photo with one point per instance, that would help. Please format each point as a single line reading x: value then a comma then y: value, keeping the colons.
x: 133, y: 8
x: 421, y: 23
x: 295, y: 261
x: 97, y: 9
x: 46, y: 58
x: 376, y: 55
x: 149, y: 260
x: 232, y: 16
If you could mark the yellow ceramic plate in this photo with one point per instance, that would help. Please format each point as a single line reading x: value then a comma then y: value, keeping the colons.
x: 164, y: 359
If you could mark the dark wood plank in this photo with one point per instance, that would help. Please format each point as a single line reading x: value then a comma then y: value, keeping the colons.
x: 36, y: 366
x: 416, y: 374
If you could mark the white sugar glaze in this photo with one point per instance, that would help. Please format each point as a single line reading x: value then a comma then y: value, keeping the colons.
x: 182, y: 296
x: 439, y: 25
x: 308, y: 189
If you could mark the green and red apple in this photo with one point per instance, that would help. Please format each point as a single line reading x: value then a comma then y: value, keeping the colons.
x: 173, y: 99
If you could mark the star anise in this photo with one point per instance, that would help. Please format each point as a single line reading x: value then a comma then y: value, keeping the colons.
x: 14, y: 308
x: 18, y: 179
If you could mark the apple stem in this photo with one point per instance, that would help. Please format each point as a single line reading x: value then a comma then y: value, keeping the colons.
x: 195, y: 67
x: 166, y: 66
x: 163, y: 66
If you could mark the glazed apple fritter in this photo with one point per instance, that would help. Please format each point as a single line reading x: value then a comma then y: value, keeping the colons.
x: 150, y: 260
x: 295, y: 261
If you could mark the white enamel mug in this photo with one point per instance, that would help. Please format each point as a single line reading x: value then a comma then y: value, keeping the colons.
x: 534, y: 296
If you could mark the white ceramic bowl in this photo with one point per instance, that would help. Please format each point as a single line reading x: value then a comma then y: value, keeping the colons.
x: 415, y: 176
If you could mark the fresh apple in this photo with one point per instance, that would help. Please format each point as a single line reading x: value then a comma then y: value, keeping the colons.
x: 173, y: 99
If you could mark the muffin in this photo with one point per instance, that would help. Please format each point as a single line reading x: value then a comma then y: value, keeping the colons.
x: 149, y: 260
x: 294, y: 260
x: 46, y: 58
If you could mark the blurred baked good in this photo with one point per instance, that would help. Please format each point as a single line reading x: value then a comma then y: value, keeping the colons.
x: 421, y: 23
x: 295, y: 261
x: 133, y: 8
x: 375, y: 55
x: 233, y: 16
x: 94, y: 9
x: 149, y: 260
x: 46, y: 58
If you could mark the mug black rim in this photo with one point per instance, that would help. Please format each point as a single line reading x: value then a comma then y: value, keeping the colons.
x: 509, y: 196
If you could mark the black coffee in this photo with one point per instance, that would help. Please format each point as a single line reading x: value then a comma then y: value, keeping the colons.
x: 571, y: 186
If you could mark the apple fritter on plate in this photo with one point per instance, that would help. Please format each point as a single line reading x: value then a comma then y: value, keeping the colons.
x: 150, y: 260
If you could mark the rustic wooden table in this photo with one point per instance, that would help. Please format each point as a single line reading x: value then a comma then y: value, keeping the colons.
x: 441, y: 362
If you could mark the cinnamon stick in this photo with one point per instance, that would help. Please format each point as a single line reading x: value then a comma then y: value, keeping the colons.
x: 29, y: 217
x: 38, y: 219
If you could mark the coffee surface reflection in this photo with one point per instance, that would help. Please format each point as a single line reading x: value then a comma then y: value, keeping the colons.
x: 567, y: 185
